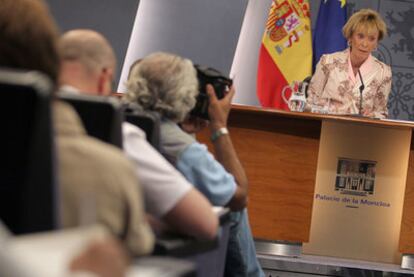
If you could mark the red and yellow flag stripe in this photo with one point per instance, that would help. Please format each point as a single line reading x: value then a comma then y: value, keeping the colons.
x: 286, y: 50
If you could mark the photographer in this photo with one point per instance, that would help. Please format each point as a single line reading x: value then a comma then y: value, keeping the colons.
x: 168, y: 85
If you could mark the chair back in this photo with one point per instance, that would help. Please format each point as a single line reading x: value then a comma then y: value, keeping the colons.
x: 208, y: 256
x: 101, y: 116
x: 148, y: 122
x: 28, y: 187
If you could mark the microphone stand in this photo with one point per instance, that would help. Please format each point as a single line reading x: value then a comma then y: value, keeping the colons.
x: 361, y: 89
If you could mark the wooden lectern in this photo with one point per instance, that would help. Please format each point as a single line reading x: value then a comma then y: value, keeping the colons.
x: 279, y: 151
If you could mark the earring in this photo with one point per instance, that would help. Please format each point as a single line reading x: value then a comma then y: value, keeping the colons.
x: 349, y: 43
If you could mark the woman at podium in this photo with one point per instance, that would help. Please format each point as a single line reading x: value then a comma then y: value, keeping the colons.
x: 353, y: 81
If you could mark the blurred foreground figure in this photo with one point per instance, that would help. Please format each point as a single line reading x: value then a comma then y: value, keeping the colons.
x: 95, y: 178
x: 88, y: 63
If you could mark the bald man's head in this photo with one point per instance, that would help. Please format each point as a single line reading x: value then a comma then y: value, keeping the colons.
x: 85, y: 56
x: 87, y: 47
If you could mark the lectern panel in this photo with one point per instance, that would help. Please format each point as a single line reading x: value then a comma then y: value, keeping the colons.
x: 359, y: 192
x: 279, y: 154
x: 407, y: 223
x: 279, y: 151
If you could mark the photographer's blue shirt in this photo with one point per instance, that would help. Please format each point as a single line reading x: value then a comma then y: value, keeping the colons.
x: 198, y: 166
x: 201, y: 169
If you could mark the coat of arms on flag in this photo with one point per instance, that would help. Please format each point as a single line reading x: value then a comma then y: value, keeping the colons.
x: 286, y: 50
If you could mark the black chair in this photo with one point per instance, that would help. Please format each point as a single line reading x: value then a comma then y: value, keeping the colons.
x: 148, y: 122
x: 101, y: 116
x: 164, y: 266
x: 208, y: 256
x: 28, y: 187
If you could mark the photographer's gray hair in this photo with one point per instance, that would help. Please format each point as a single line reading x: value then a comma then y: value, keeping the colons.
x: 164, y: 83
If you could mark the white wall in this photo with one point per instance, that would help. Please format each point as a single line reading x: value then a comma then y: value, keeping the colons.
x: 244, y: 68
x: 204, y: 31
x: 113, y: 18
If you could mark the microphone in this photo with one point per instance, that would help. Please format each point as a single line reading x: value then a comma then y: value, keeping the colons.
x: 361, y: 89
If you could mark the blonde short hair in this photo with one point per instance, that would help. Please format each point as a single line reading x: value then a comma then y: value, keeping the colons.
x: 164, y: 83
x: 366, y: 19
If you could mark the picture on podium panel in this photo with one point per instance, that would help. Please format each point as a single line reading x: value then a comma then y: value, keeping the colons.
x: 355, y: 177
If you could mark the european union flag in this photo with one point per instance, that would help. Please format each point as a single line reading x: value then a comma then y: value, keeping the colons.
x: 328, y: 36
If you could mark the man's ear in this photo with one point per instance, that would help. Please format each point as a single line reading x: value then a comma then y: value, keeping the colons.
x: 105, y: 81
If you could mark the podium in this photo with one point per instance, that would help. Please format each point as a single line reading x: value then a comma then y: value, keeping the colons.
x: 342, y: 186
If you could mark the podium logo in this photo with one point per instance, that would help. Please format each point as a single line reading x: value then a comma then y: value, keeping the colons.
x: 355, y: 177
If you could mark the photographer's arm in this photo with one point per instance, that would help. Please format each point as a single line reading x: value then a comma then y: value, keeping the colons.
x: 223, y: 146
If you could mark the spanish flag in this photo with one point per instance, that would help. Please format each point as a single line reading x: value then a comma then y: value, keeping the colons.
x: 286, y: 50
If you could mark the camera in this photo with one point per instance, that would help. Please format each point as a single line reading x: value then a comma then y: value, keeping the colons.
x: 208, y: 75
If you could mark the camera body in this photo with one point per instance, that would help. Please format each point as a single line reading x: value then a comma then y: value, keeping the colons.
x: 208, y: 75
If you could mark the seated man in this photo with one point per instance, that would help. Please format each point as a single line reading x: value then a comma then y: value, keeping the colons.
x: 167, y: 84
x: 92, y: 174
x: 88, y: 63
